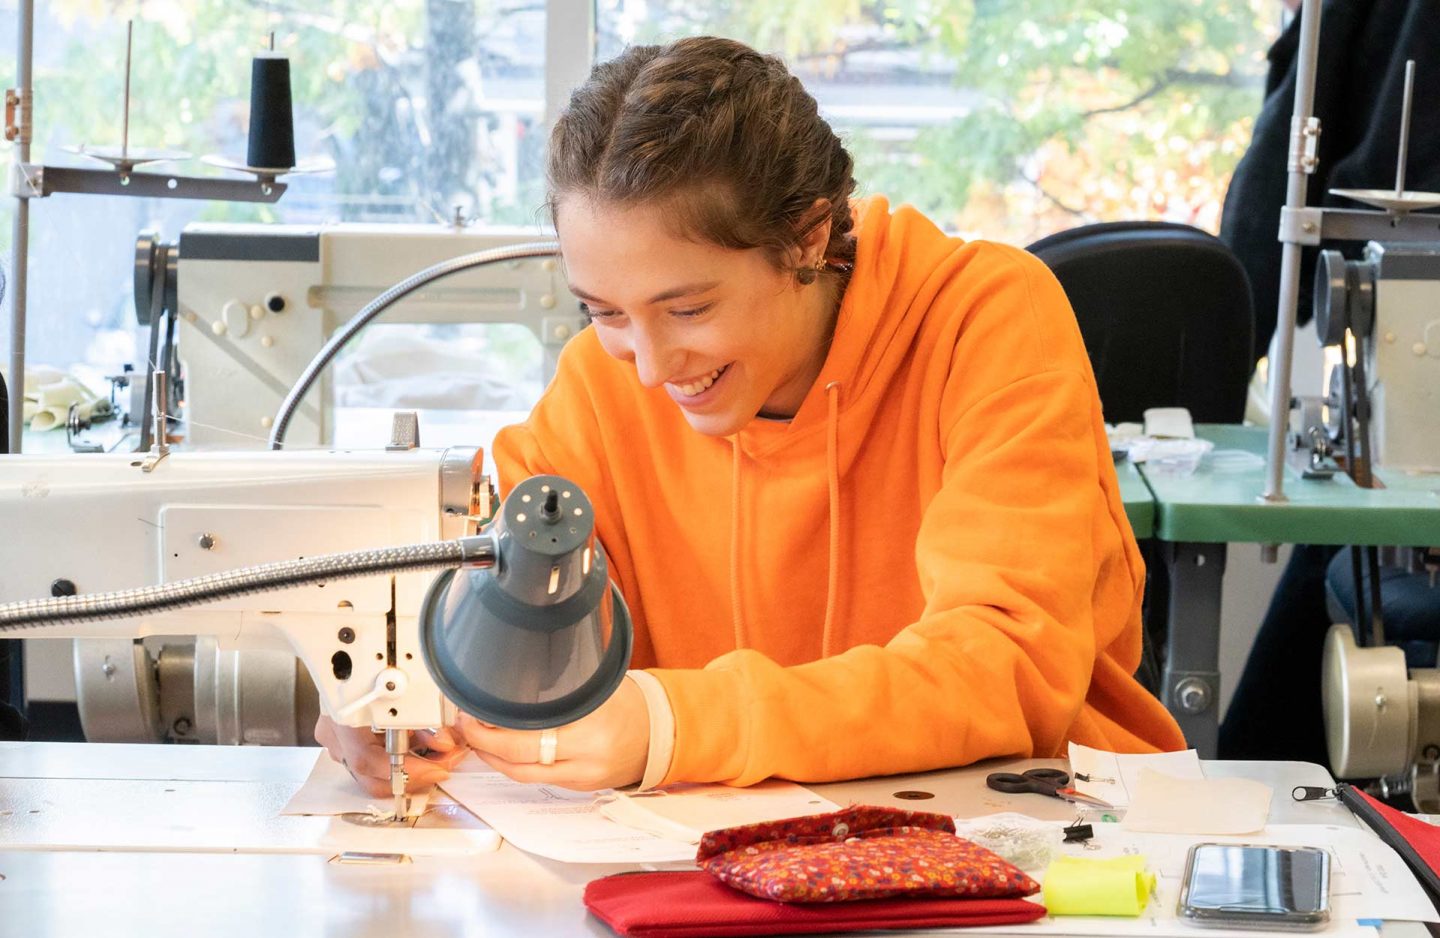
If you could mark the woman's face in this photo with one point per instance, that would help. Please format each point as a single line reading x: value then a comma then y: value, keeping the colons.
x: 723, y: 332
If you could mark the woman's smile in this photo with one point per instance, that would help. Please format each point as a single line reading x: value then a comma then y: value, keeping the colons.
x: 693, y: 393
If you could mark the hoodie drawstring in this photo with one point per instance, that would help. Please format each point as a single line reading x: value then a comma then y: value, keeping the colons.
x: 832, y: 481
x: 736, y: 619
x: 832, y: 478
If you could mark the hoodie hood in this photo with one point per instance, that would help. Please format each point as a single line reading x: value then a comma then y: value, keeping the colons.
x: 881, y: 314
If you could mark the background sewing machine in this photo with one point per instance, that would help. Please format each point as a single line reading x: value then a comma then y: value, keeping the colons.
x: 1382, y: 313
x: 1382, y: 703
x: 239, y: 311
x: 243, y: 309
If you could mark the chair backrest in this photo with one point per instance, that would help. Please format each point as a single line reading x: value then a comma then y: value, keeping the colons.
x: 1165, y: 311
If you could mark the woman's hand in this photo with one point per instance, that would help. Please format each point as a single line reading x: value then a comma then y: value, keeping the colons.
x: 606, y: 749
x: 362, y: 752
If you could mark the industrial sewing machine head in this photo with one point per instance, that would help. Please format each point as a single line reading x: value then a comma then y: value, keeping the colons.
x: 522, y: 628
x: 1382, y: 311
x: 248, y: 306
x: 1383, y: 314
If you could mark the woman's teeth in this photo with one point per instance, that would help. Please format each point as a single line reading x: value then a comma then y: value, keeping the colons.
x: 695, y: 387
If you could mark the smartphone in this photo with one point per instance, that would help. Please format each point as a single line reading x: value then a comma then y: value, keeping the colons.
x: 1256, y: 886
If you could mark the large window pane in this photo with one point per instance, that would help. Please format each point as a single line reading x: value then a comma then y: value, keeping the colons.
x: 426, y: 107
x: 1011, y: 120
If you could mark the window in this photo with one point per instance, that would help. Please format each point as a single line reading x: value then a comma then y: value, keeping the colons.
x: 1006, y: 120
x: 1012, y: 120
x: 428, y: 110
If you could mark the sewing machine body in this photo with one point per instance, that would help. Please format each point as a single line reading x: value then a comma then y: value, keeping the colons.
x: 101, y: 522
x: 257, y: 302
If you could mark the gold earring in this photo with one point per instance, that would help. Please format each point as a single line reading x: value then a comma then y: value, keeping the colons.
x: 808, y: 275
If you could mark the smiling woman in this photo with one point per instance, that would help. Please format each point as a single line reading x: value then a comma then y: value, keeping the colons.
x: 850, y: 472
x: 688, y: 314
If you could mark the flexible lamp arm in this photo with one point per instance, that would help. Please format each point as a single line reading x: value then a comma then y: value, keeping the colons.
x: 478, y: 550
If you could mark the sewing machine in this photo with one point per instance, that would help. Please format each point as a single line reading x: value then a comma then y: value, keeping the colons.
x: 255, y: 303
x: 1383, y: 312
x: 252, y: 305
x: 91, y: 524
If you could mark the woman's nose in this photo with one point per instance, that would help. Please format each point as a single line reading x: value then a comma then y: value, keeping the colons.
x: 654, y: 359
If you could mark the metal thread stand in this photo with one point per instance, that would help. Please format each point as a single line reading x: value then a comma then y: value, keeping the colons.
x: 30, y: 181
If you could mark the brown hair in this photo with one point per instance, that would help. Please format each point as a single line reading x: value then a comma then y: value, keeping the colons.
x: 725, y: 135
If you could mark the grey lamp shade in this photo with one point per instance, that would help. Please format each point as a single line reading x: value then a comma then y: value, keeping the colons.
x: 541, y: 638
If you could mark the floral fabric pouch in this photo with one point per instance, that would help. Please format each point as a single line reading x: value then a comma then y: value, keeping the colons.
x: 859, y: 853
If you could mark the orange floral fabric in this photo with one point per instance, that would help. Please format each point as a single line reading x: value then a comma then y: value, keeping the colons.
x: 859, y: 853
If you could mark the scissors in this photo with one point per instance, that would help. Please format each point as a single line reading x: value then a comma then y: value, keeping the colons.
x: 1052, y: 782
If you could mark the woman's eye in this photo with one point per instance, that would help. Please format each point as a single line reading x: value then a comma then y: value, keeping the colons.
x: 596, y: 315
x: 690, y: 313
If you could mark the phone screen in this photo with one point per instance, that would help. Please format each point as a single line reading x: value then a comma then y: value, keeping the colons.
x: 1281, y: 887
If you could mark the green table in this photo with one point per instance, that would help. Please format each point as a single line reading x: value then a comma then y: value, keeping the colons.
x: 1196, y: 516
x: 1225, y: 506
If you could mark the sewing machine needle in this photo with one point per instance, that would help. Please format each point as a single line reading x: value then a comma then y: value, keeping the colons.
x: 396, y: 742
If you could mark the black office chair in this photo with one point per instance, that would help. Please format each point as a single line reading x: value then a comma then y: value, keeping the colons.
x: 1166, y: 314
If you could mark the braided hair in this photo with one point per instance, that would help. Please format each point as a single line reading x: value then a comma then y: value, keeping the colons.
x: 723, y: 137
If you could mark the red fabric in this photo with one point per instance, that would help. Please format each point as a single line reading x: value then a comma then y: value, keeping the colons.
x: 693, y: 903
x: 858, y: 853
x: 1423, y: 837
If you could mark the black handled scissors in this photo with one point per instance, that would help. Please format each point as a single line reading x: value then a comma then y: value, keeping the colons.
x: 1052, y: 782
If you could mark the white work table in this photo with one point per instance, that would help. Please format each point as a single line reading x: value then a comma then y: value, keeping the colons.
x: 56, y: 796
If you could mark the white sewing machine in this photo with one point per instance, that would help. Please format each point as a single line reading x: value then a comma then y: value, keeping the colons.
x: 255, y: 303
x: 96, y: 523
x: 1388, y: 305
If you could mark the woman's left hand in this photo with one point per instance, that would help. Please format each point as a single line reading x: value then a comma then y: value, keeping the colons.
x: 605, y: 749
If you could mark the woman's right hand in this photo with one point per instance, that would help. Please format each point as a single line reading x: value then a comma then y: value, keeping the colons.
x: 362, y: 752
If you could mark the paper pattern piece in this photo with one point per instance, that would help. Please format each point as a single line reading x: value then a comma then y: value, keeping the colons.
x: 686, y: 812
x: 1114, y: 777
x: 1164, y: 804
x: 329, y: 790
x: 1081, y: 886
x: 571, y: 826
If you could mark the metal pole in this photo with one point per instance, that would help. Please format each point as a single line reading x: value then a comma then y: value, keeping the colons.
x: 1404, y: 129
x: 1301, y: 139
x: 20, y: 243
x: 125, y: 121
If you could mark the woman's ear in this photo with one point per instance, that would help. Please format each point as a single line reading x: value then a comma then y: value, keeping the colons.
x: 814, y: 234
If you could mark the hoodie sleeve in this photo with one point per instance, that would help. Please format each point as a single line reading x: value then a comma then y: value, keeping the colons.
x: 1011, y: 556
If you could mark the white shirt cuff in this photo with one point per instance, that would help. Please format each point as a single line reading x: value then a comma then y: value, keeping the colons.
x: 662, y: 728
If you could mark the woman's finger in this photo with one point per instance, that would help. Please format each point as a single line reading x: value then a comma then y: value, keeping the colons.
x: 513, y: 746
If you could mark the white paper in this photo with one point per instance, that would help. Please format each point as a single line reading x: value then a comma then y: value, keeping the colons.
x: 1164, y: 804
x: 1368, y: 882
x: 330, y: 790
x: 572, y: 827
x: 686, y: 812
x: 558, y: 823
x: 1114, y: 777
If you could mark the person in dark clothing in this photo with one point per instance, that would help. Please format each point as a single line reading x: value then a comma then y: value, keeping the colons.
x: 1359, y: 90
x: 1363, y: 46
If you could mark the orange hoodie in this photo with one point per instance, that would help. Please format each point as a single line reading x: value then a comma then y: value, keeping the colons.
x: 929, y: 565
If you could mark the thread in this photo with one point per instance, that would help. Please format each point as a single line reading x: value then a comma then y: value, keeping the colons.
x: 272, y: 123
